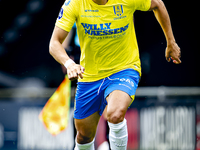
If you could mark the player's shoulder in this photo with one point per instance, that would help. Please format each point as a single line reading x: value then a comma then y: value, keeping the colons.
x: 138, y: 4
x: 71, y: 6
x: 71, y: 3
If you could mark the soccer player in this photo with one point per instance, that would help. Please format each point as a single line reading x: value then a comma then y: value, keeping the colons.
x: 109, y: 69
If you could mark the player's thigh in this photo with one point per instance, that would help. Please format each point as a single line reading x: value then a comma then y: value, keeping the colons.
x: 118, y: 103
x: 86, y: 128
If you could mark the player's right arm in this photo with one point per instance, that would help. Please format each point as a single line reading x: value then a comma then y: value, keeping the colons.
x: 58, y: 52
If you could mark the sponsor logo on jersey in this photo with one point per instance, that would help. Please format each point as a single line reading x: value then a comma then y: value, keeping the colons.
x: 60, y: 14
x: 89, y: 16
x: 88, y: 10
x: 102, y: 29
x: 118, y: 10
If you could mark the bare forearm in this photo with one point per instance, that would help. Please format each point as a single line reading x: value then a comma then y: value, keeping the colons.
x: 55, y: 47
x: 58, y: 52
x: 172, y: 50
x: 163, y: 18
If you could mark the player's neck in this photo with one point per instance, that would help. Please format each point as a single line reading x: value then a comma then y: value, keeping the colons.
x: 100, y: 2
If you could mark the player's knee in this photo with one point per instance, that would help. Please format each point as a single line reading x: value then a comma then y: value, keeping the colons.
x: 116, y: 116
x: 84, y: 138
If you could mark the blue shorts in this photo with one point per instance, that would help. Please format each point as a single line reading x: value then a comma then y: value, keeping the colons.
x: 91, y: 96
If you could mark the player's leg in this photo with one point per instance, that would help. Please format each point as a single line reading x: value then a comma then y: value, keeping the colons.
x: 119, y: 95
x: 86, y: 113
x: 86, y: 130
x: 118, y: 103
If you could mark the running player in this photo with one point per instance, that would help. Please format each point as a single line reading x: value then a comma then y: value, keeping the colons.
x: 109, y: 69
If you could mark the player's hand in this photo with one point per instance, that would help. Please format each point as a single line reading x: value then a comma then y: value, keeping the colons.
x: 173, y: 52
x: 74, y: 71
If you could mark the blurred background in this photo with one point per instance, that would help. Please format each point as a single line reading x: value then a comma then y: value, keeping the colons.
x: 166, y: 111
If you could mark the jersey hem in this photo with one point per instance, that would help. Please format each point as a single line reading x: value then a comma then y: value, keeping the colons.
x: 96, y: 78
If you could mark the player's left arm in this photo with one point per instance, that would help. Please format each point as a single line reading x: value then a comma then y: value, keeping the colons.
x: 161, y: 14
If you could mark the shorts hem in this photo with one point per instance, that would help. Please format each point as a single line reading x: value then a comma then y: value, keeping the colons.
x: 85, y: 116
x: 131, y: 96
x: 106, y: 94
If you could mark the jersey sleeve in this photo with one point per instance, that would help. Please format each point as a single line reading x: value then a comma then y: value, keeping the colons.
x: 68, y: 14
x: 143, y: 5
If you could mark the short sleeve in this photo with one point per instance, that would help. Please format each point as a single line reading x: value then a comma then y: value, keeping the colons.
x: 143, y: 5
x: 67, y: 16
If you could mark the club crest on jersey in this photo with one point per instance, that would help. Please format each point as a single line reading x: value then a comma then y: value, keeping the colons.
x: 118, y: 10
